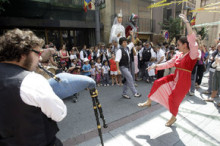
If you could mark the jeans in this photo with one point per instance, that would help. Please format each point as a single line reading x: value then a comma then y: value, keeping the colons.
x: 193, y: 81
x: 71, y: 84
x: 144, y: 72
x: 105, y: 79
x: 211, y: 75
x: 129, y: 80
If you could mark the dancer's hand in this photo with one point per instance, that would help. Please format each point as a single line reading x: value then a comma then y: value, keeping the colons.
x: 119, y: 35
x: 151, y: 67
x: 183, y: 17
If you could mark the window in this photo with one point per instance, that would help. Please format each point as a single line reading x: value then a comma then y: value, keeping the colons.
x: 203, y: 3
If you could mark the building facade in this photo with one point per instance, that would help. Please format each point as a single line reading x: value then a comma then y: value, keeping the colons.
x: 128, y: 7
x: 208, y: 19
x: 57, y: 21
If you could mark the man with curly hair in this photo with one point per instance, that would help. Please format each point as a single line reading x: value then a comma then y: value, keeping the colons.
x: 29, y: 109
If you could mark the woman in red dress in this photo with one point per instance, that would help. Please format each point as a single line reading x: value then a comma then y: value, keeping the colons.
x: 170, y: 90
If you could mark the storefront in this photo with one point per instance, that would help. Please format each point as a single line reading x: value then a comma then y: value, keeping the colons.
x: 57, y: 21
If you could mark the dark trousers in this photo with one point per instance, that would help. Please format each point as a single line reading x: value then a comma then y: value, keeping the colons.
x: 55, y: 142
x: 105, y: 79
x: 160, y: 73
x: 144, y: 72
x: 199, y: 75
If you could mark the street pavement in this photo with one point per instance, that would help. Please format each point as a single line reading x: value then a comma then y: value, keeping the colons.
x: 128, y: 125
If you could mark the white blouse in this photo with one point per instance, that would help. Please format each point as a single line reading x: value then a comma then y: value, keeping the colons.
x: 36, y: 91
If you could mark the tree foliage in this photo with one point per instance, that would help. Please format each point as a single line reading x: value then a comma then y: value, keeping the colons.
x: 173, y: 26
x: 203, y: 32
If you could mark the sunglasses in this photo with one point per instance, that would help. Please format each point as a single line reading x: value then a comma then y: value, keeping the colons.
x: 37, y: 52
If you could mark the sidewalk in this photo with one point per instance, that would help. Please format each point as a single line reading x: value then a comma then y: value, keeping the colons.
x: 198, y: 123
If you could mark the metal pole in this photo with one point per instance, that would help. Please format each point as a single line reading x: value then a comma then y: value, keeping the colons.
x: 97, y: 22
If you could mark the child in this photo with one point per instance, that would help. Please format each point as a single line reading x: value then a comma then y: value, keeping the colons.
x: 151, y: 73
x: 86, y: 68
x: 113, y: 69
x: 98, y: 67
x: 93, y: 71
x: 105, y: 73
x: 74, y: 69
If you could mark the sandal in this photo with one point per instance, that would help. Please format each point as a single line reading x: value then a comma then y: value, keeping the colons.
x: 170, y: 123
x: 206, y: 92
x: 209, y: 99
x: 144, y: 104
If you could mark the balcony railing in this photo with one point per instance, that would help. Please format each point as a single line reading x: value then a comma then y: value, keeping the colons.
x: 63, y: 3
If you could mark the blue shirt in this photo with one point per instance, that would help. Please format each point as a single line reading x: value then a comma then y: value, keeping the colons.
x: 86, y: 68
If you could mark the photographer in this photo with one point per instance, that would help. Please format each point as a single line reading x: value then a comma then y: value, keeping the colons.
x: 83, y: 53
x: 47, y: 57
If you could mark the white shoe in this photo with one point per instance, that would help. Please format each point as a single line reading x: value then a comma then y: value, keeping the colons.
x: 137, y: 95
x: 191, y: 93
x: 126, y: 96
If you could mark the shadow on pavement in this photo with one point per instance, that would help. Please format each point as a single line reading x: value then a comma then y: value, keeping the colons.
x: 160, y: 140
x: 195, y: 100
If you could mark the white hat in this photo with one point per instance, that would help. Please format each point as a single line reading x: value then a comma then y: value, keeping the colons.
x: 120, y: 14
x: 86, y: 59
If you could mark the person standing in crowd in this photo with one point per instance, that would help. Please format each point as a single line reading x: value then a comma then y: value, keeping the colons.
x: 86, y: 67
x: 27, y: 98
x: 96, y: 53
x: 109, y: 52
x: 194, y: 73
x: 103, y: 53
x: 138, y: 50
x: 113, y: 70
x: 216, y: 77
x: 64, y: 56
x: 74, y: 53
x: 98, y: 67
x: 105, y: 73
x: 212, y: 54
x: 170, y: 90
x: 160, y: 57
x: 47, y: 57
x: 201, y: 64
x: 132, y: 53
x: 83, y: 53
x: 115, y: 48
x: 122, y: 62
x: 146, y: 54
x: 115, y: 45
x: 136, y: 69
x: 75, y: 68
x: 170, y: 54
x: 93, y: 71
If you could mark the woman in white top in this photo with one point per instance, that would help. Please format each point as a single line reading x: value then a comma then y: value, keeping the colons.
x: 216, y: 77
x: 160, y: 59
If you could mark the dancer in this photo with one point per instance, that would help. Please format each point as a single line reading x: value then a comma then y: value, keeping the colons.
x: 170, y: 90
x: 122, y: 63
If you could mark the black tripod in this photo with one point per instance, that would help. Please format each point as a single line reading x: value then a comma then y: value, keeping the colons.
x: 96, y: 104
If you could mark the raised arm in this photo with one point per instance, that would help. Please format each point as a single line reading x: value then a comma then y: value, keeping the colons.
x: 191, y: 37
